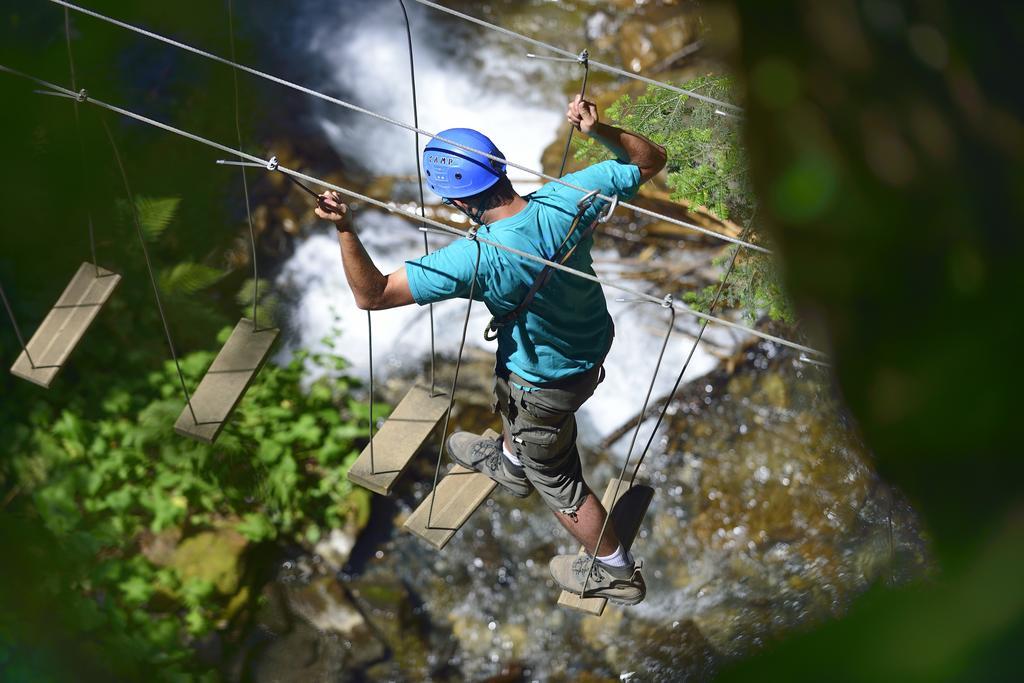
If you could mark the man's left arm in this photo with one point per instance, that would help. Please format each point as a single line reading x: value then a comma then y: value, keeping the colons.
x: 628, y: 147
x: 372, y: 289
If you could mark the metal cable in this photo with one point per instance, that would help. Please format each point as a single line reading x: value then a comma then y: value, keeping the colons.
x: 455, y: 380
x: 438, y: 227
x: 566, y: 53
x: 400, y: 124
x: 686, y: 364
x: 419, y: 175
x: 78, y: 135
x: 245, y: 182
x: 369, y: 338
x: 632, y: 444
x: 17, y: 330
x: 584, y: 59
x: 149, y: 265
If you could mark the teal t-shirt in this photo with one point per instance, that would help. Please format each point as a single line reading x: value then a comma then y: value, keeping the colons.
x: 566, y: 329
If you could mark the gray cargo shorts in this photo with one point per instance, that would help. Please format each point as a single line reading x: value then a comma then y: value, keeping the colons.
x: 541, y: 421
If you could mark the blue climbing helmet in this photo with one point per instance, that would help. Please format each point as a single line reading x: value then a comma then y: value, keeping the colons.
x: 454, y: 173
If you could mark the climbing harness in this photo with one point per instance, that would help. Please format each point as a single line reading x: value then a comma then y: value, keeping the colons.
x: 585, y: 202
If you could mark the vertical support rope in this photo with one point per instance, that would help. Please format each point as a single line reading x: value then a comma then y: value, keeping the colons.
x: 149, y: 265
x: 369, y: 337
x: 632, y: 444
x: 78, y: 133
x: 455, y: 380
x: 419, y: 176
x: 661, y: 416
x: 17, y: 330
x: 686, y: 364
x: 584, y: 59
x: 892, y: 542
x: 245, y: 182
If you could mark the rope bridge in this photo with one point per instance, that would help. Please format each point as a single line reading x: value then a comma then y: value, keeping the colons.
x: 455, y: 497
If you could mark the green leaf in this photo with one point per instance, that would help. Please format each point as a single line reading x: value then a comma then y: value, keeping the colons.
x: 156, y: 214
x: 188, y: 278
x: 256, y: 527
x: 136, y: 590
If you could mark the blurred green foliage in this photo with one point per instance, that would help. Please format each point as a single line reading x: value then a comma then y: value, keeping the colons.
x: 887, y: 146
x: 91, y: 469
x: 99, y: 478
x: 706, y: 167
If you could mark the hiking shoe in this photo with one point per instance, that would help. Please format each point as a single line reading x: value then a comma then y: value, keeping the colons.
x: 485, y: 456
x: 621, y: 585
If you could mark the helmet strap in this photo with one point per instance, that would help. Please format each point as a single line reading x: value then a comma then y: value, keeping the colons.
x: 476, y: 214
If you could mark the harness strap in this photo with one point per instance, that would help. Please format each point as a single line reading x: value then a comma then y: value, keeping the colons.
x: 544, y: 276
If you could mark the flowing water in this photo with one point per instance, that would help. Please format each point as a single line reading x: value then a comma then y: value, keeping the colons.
x: 768, y: 514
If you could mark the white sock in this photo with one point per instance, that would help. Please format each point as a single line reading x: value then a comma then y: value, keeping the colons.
x: 512, y: 457
x: 620, y: 558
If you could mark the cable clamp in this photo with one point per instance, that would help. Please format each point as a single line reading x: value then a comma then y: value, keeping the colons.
x: 83, y: 95
x: 668, y: 301
x: 471, y: 233
x: 607, y: 215
x: 583, y: 57
x: 272, y: 164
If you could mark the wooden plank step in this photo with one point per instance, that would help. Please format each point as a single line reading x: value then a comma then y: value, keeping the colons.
x: 411, y: 422
x: 224, y: 384
x: 459, y: 494
x: 627, y: 513
x: 65, y: 324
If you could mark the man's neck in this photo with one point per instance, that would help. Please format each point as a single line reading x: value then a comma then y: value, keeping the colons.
x: 504, y: 211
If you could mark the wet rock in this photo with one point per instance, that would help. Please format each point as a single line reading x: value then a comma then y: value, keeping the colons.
x: 215, y: 556
x: 324, y: 605
x: 401, y: 627
x: 654, y: 38
x: 336, y: 547
x: 159, y: 548
x: 298, y: 656
x: 773, y: 389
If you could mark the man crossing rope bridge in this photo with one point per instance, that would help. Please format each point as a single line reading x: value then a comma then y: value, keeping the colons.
x: 553, y: 329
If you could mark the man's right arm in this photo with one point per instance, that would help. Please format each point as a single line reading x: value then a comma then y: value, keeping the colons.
x: 632, y: 148
x: 372, y: 290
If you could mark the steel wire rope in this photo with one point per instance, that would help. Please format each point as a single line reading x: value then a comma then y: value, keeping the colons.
x: 437, y: 226
x: 686, y: 365
x: 17, y: 330
x: 387, y: 119
x: 245, y: 182
x: 584, y: 59
x: 455, y: 380
x: 369, y: 344
x: 78, y: 135
x: 629, y: 453
x: 657, y: 425
x: 557, y: 50
x: 419, y: 175
x: 137, y: 220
